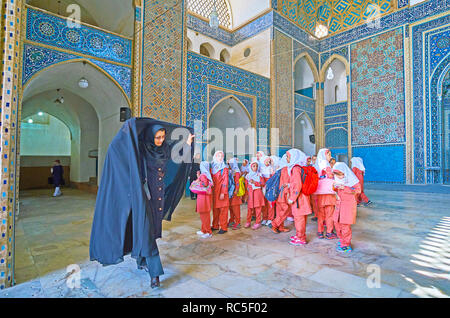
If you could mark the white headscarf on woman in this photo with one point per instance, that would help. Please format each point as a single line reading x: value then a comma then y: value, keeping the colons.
x: 254, y: 175
x: 321, y: 161
x: 266, y: 171
x: 298, y: 157
x: 282, y: 162
x: 245, y: 169
x: 234, y: 165
x: 350, y: 178
x: 357, y: 162
x: 275, y: 161
x: 204, y: 168
x: 216, y: 166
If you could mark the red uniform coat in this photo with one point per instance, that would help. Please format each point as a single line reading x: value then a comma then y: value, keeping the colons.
x: 345, y: 211
x: 204, y: 200
x: 255, y: 197
x: 235, y: 200
x: 294, y: 192
x: 360, y: 175
x: 220, y: 180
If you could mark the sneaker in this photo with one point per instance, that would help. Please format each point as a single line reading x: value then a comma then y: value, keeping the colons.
x: 256, y: 226
x: 275, y: 230
x: 331, y: 236
x: 253, y: 218
x: 222, y: 232
x: 268, y: 223
x: 368, y: 203
x: 247, y: 225
x: 314, y: 218
x: 320, y: 235
x: 200, y: 233
x: 236, y: 226
x: 344, y: 249
x: 214, y: 229
x: 339, y: 243
x: 230, y: 224
x: 293, y: 237
x: 297, y: 242
x: 290, y: 219
x: 207, y: 235
x: 263, y: 222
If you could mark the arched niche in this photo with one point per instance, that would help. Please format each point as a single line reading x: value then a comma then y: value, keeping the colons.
x: 207, y: 50
x: 225, y: 56
x: 304, y: 128
x: 335, y: 85
x: 230, y: 113
x: 305, y: 76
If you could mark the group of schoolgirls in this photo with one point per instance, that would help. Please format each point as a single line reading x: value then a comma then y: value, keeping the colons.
x: 334, y: 200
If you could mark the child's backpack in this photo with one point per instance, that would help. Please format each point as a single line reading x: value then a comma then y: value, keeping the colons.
x: 241, y: 191
x: 231, y: 184
x: 310, y: 180
x: 273, y: 187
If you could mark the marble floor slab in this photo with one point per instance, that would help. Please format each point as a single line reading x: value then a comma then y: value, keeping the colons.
x: 401, y: 248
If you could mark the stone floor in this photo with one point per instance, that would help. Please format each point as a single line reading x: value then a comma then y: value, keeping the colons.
x: 404, y: 234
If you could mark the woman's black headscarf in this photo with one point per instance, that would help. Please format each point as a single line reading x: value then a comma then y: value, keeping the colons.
x: 121, y: 191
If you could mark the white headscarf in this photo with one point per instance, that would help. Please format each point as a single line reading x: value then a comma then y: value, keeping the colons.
x: 234, y: 165
x: 217, y: 166
x: 252, y: 175
x: 357, y: 162
x: 266, y: 171
x: 321, y: 161
x: 350, y: 178
x: 246, y: 168
x: 282, y: 162
x: 276, y: 162
x: 297, y: 158
x: 204, y: 168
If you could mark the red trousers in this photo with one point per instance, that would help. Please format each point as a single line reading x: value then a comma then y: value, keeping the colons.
x: 283, y: 211
x: 257, y: 211
x: 235, y: 214
x: 344, y: 232
x: 220, y: 218
x: 205, y: 218
x: 314, y: 205
x: 300, y: 226
x: 362, y: 198
x: 268, y: 210
x: 325, y: 214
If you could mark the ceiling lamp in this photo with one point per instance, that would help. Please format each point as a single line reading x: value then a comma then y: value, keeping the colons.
x: 214, y: 18
x: 321, y: 31
x: 83, y: 82
x: 330, y: 74
x: 231, y: 110
x: 59, y: 100
x: 30, y: 121
x: 40, y: 113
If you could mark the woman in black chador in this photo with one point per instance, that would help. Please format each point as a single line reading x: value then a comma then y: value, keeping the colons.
x: 144, y: 178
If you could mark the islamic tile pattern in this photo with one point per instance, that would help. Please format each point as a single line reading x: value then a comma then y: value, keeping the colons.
x: 299, y: 48
x: 421, y: 76
x: 163, y: 60
x: 282, y: 61
x: 378, y: 102
x: 346, y: 13
x: 336, y: 109
x: 54, y: 31
x: 10, y: 78
x: 342, y: 51
x: 305, y: 104
x: 36, y: 58
x: 336, y: 138
x: 439, y: 46
x: 215, y: 95
x: 203, y: 71
x: 402, y: 3
x: 204, y: 9
x: 400, y: 17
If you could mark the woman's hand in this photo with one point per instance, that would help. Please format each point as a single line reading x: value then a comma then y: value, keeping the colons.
x: 290, y: 201
x: 222, y: 196
x: 190, y: 139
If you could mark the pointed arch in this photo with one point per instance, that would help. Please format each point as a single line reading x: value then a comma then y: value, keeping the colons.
x: 328, y: 62
x: 310, y: 62
x: 101, y: 70
x: 252, y: 122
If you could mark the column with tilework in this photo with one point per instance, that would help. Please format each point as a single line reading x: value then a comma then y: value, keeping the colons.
x: 11, y: 12
x: 164, y: 60
x: 137, y: 58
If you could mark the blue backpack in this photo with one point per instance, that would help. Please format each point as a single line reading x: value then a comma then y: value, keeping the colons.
x: 273, y: 187
x: 231, y: 185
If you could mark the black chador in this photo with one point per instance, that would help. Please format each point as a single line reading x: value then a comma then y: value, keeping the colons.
x: 142, y: 183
